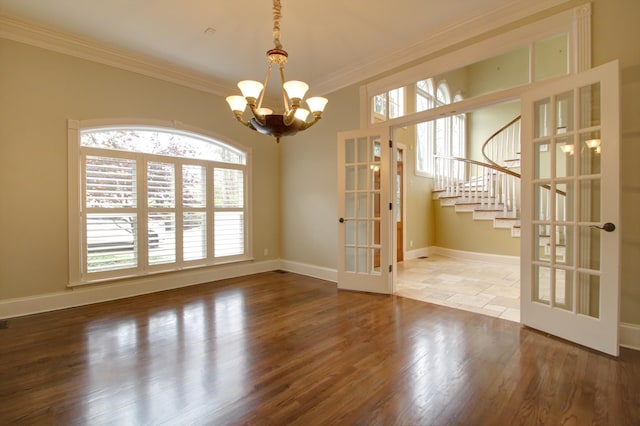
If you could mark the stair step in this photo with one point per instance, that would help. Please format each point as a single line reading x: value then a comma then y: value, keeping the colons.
x: 448, y: 201
x: 505, y: 222
x: 486, y: 213
x: 468, y: 207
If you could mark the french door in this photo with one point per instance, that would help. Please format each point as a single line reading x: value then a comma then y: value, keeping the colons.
x: 365, y: 210
x: 570, y: 267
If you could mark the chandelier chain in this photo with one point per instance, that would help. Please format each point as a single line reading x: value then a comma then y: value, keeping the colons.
x: 277, y: 15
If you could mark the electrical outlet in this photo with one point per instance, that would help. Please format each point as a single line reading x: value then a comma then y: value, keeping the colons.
x: 411, y: 243
x: 265, y: 252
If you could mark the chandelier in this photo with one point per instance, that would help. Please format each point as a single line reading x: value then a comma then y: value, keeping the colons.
x: 293, y: 117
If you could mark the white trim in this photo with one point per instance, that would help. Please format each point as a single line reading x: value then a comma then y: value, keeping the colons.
x: 481, y: 257
x: 417, y: 253
x: 403, y: 203
x: 630, y: 336
x: 75, y: 204
x: 583, y: 37
x: 21, y: 31
x: 445, y: 37
x: 63, y: 42
x: 133, y: 287
x: 178, y: 126
x: 74, y: 201
x: 314, y: 271
x: 569, y: 21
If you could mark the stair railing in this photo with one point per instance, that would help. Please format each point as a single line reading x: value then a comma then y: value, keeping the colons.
x: 491, y: 186
x: 503, y: 147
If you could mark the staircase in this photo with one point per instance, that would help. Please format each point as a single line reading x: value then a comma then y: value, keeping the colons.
x: 489, y: 189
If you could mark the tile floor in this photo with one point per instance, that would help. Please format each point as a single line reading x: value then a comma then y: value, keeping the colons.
x: 486, y: 288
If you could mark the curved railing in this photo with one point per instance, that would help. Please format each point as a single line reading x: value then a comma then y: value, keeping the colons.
x: 489, y: 185
x: 493, y: 183
x: 502, y: 148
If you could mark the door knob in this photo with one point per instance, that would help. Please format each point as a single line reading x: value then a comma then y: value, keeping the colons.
x: 608, y: 227
x: 341, y: 220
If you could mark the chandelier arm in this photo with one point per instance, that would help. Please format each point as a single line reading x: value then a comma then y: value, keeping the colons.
x: 256, y: 114
x: 307, y: 124
x: 264, y: 87
x: 238, y: 115
x: 285, y: 97
x: 290, y: 116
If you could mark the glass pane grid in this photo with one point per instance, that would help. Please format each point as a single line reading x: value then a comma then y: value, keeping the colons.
x: 362, y: 205
x: 228, y: 233
x: 228, y: 188
x: 111, y: 242
x: 161, y: 184
x: 162, y: 142
x: 194, y: 186
x: 194, y: 236
x: 110, y: 182
x: 162, y: 238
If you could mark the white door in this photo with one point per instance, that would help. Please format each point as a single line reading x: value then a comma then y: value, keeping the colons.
x: 570, y: 273
x: 364, y: 210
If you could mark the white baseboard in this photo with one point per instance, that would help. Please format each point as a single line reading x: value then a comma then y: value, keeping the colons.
x: 630, y: 336
x: 310, y: 270
x: 470, y: 255
x: 415, y: 254
x: 79, y: 296
x: 89, y: 294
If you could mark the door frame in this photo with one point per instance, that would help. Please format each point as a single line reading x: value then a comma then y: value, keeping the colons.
x: 351, y: 276
x: 602, y: 331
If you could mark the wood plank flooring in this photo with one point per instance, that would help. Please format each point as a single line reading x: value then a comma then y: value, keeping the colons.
x: 280, y: 348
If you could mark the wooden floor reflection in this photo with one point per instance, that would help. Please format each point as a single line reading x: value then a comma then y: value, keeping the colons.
x: 280, y: 348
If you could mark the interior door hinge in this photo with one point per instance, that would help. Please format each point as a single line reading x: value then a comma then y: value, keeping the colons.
x: 390, y: 206
x: 390, y: 143
x: 390, y: 268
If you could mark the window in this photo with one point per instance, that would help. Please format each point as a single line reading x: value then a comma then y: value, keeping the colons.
x: 388, y: 105
x: 155, y: 200
x: 442, y: 137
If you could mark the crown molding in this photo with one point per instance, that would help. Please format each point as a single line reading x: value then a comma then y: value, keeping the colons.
x: 62, y: 42
x: 69, y: 44
x: 442, y: 39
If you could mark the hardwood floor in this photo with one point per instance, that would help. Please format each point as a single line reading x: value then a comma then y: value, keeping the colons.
x: 280, y: 348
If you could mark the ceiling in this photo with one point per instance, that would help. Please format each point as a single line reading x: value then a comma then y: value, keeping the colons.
x: 331, y: 43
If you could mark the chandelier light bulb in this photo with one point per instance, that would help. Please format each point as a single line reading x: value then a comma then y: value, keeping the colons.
x: 592, y: 143
x: 250, y: 88
x: 302, y: 114
x: 567, y: 149
x: 295, y: 89
x: 237, y: 103
x: 317, y: 104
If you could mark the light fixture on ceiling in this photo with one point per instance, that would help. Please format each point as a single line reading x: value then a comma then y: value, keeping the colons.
x: 567, y: 149
x: 294, y: 118
x: 594, y: 144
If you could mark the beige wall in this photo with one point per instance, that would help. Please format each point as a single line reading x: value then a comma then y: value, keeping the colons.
x: 616, y: 33
x: 39, y: 91
x: 484, y: 122
x: 309, y: 184
x: 458, y: 231
x: 418, y: 214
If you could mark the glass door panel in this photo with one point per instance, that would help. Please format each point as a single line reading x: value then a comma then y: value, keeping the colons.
x: 363, y: 223
x: 570, y: 185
